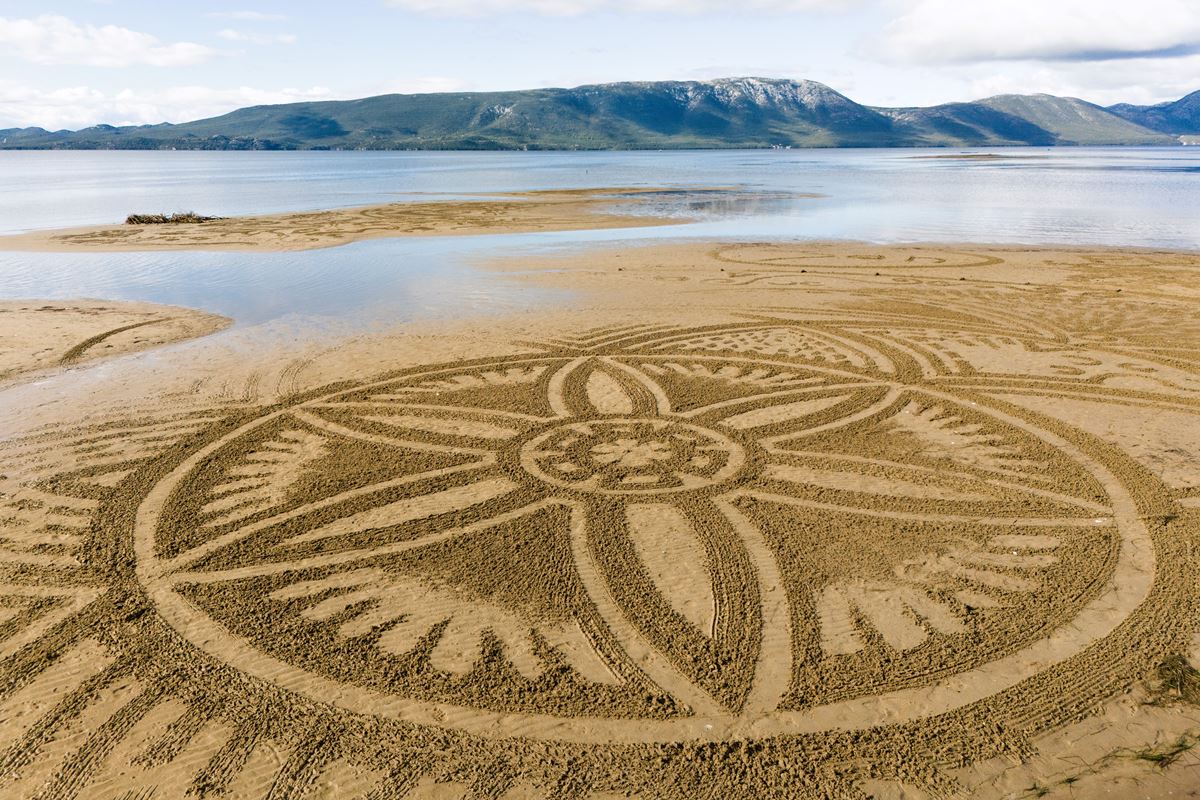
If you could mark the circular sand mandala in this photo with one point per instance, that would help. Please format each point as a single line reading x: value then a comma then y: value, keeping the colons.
x: 665, y: 542
x: 761, y: 558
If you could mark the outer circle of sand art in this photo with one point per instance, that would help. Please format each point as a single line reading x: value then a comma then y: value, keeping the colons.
x: 605, y: 446
x: 778, y: 257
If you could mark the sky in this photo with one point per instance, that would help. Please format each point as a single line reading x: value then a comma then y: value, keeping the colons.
x: 74, y: 63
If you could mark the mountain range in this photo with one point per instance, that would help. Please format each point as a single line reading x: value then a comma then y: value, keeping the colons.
x: 726, y: 113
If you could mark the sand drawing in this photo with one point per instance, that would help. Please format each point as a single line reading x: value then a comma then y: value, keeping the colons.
x: 752, y: 556
x: 787, y: 257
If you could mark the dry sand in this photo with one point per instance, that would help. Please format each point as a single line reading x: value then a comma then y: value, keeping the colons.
x: 36, y: 336
x: 522, y: 212
x: 749, y: 521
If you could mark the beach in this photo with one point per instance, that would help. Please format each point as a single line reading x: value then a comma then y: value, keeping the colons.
x: 738, y: 519
x: 45, y: 335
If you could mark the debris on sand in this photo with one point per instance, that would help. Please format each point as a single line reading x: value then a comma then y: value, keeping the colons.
x: 181, y: 218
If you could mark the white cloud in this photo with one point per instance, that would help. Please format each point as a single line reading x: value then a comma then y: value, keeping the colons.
x: 248, y: 16
x: 231, y: 35
x: 76, y: 107
x: 52, y: 39
x: 937, y: 31
x: 575, y: 7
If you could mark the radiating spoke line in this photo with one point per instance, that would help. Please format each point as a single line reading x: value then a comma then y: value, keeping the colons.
x: 830, y: 373
x: 1078, y: 391
x: 351, y: 556
x: 733, y: 374
x: 467, y: 411
x: 410, y: 509
x: 531, y: 360
x: 1000, y: 522
x: 199, y: 552
x: 782, y: 413
x: 917, y: 474
x: 807, y: 476
x: 771, y: 442
x: 72, y: 600
x: 840, y: 390
x: 389, y: 441
x: 873, y: 356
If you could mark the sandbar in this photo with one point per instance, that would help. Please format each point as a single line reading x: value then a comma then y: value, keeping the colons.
x: 523, y: 212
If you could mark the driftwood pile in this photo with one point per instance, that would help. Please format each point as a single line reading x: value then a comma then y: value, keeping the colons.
x: 186, y: 217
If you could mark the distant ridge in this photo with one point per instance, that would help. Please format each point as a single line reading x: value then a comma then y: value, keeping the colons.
x: 1181, y: 117
x: 725, y: 113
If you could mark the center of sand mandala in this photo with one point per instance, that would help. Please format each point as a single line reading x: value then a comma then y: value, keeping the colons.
x: 638, y: 456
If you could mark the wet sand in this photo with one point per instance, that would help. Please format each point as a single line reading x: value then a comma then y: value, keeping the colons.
x: 748, y: 520
x: 43, y: 335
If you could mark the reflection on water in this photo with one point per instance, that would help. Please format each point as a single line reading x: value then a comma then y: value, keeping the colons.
x: 366, y: 283
x: 1101, y: 196
x: 707, y: 205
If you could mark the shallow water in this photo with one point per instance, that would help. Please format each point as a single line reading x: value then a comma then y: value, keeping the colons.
x: 1101, y: 196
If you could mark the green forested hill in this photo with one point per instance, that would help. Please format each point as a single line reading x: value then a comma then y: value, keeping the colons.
x: 1179, y: 117
x: 736, y: 112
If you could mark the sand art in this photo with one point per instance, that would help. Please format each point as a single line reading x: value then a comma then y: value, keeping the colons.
x: 826, y: 544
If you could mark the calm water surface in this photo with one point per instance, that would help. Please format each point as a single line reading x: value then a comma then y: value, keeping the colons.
x: 1102, y: 196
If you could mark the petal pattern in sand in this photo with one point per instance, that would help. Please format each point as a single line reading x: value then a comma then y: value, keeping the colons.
x: 901, y: 611
x: 674, y: 556
x: 265, y: 478
x: 482, y: 380
x: 782, y: 412
x: 868, y: 483
x: 947, y: 435
x: 894, y: 612
x: 410, y: 509
x: 411, y: 610
x: 764, y: 378
x: 445, y: 426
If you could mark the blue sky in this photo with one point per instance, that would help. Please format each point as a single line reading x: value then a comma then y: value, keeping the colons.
x: 79, y: 62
